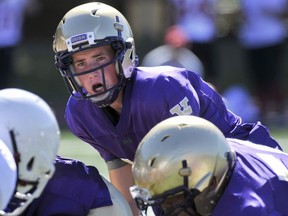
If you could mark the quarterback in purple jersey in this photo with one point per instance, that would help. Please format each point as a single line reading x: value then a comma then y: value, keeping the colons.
x: 114, y: 104
x: 187, y: 167
x: 77, y: 189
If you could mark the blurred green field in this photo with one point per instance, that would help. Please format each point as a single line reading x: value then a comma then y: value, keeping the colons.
x: 72, y: 147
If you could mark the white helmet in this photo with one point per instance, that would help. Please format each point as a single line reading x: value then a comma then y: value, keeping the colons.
x: 92, y: 25
x: 30, y: 130
x: 177, y: 57
x: 8, y: 175
x: 182, y: 156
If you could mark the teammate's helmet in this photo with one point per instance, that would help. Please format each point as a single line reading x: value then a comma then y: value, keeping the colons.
x: 8, y: 175
x: 181, y: 164
x: 30, y: 130
x: 92, y: 25
x: 177, y: 57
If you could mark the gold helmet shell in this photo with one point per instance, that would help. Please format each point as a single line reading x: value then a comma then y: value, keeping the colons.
x: 88, y: 26
x: 158, y: 164
x: 96, y: 21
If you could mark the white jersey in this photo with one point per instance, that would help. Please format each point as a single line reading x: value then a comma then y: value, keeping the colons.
x: 8, y: 175
x: 11, y: 21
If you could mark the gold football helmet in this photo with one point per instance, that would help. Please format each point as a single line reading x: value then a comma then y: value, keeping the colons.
x: 181, y: 164
x: 92, y: 25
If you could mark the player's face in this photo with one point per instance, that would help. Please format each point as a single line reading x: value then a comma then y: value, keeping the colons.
x: 92, y: 58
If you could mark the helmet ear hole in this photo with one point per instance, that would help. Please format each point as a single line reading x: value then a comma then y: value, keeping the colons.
x: 128, y: 45
x: 64, y: 63
x: 30, y: 163
x: 117, y: 46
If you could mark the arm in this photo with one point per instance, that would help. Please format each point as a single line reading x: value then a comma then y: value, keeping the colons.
x: 122, y: 179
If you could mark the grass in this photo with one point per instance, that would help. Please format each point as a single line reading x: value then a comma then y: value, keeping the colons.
x: 73, y: 147
x: 281, y: 135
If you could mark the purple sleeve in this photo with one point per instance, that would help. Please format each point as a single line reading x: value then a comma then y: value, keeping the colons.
x: 73, y: 190
x: 259, y: 184
x: 213, y: 108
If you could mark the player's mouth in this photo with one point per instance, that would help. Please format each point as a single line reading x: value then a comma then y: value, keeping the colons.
x: 98, y: 88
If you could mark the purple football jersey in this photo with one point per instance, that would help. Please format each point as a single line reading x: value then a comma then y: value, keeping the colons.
x: 259, y: 183
x: 74, y: 189
x: 150, y: 96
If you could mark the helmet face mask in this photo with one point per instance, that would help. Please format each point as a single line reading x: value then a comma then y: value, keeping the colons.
x: 109, y: 93
x: 182, y: 155
x: 173, y: 202
x: 178, y: 201
x: 100, y: 25
x: 30, y: 130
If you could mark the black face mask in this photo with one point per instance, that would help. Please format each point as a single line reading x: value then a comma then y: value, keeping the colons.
x: 63, y: 63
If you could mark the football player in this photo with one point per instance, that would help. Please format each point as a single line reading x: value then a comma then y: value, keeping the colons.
x: 29, y: 129
x: 113, y: 103
x: 186, y: 166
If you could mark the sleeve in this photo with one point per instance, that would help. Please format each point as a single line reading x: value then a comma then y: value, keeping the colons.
x: 180, y: 95
x: 74, y: 189
x: 115, y: 164
x: 213, y: 108
x: 190, y: 95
